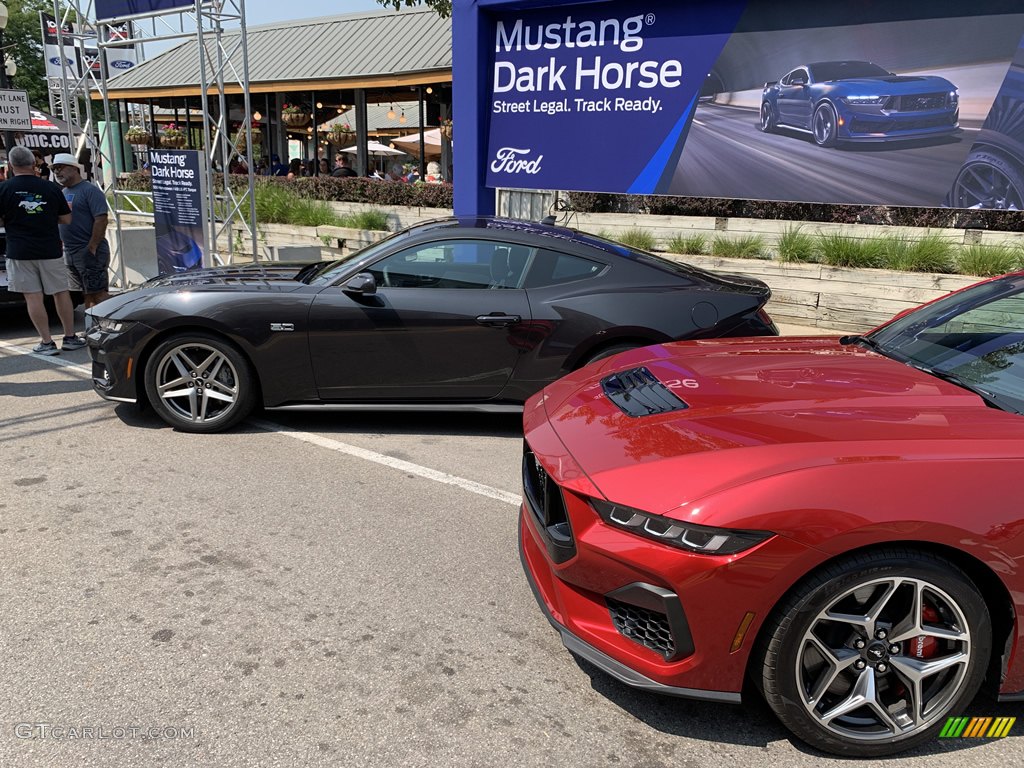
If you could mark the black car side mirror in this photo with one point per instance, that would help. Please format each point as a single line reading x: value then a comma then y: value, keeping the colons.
x: 364, y: 284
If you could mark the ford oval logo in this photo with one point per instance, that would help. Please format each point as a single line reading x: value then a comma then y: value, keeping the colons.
x: 55, y: 60
x: 122, y: 64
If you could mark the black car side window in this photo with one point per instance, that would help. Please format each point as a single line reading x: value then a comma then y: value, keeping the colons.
x: 473, y: 264
x: 552, y: 268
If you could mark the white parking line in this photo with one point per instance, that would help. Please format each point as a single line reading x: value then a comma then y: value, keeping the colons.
x: 18, y: 349
x: 325, y: 442
x: 389, y: 461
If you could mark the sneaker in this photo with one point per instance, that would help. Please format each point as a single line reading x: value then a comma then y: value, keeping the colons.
x: 72, y: 342
x: 46, y: 348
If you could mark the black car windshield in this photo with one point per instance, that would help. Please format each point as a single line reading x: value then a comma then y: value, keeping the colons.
x: 974, y: 338
x: 330, y: 271
x: 845, y: 70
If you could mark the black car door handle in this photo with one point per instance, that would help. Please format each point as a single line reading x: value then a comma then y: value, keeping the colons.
x: 498, y: 320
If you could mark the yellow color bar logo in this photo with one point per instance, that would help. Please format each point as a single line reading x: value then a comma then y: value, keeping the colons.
x: 977, y: 727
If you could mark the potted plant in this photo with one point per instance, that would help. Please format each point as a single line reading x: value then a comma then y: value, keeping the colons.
x: 173, y: 137
x: 294, y: 116
x: 138, y: 136
x: 240, y: 139
x: 342, y: 134
x: 446, y: 128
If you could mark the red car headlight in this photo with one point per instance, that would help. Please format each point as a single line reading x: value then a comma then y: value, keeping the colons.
x: 700, y: 539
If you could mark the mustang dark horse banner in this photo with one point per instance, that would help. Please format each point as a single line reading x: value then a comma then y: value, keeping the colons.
x: 906, y: 103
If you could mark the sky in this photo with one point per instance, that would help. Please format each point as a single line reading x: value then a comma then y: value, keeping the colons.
x: 267, y: 11
x: 258, y: 12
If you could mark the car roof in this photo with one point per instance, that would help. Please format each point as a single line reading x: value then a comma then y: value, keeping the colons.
x: 482, y: 225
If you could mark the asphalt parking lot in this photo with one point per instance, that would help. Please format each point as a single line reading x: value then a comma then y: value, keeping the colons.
x: 309, y: 589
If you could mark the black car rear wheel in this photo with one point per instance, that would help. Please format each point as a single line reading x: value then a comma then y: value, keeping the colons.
x: 869, y: 656
x: 824, y: 125
x: 601, y: 354
x: 198, y: 382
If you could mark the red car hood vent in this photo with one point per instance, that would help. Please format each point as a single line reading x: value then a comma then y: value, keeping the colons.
x: 637, y: 393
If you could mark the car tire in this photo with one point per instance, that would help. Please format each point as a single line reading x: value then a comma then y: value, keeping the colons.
x: 825, y: 126
x: 848, y: 664
x: 768, y: 120
x: 988, y: 180
x: 199, y: 382
x: 614, y: 349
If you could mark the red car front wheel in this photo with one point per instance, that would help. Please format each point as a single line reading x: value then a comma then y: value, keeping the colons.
x: 871, y: 655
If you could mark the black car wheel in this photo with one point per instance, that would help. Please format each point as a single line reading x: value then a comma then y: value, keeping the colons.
x: 609, y: 351
x: 869, y: 656
x: 824, y: 126
x: 198, y: 382
x: 767, y: 118
x: 988, y: 180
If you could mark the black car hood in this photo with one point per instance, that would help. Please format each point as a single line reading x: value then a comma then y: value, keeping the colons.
x: 276, y: 277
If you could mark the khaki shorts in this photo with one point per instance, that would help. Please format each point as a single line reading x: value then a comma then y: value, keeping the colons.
x: 47, y: 276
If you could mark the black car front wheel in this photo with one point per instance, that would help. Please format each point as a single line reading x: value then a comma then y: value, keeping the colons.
x: 198, y: 382
x: 869, y: 656
x: 768, y: 121
x: 824, y: 126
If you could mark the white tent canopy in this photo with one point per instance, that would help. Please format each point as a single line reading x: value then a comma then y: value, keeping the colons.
x: 373, y: 148
x: 410, y: 143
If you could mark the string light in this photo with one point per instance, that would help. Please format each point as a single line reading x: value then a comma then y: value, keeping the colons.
x: 402, y: 119
x: 430, y: 89
x: 319, y: 105
x: 257, y: 116
x: 391, y: 112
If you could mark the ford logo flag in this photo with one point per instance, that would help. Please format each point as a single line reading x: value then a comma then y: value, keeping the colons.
x: 55, y: 60
x: 122, y: 64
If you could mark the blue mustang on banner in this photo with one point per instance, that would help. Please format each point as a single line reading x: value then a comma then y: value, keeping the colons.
x: 837, y: 101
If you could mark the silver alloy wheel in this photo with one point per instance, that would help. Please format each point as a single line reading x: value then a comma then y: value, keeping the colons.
x: 197, y: 382
x: 766, y: 117
x: 824, y: 124
x: 864, y: 669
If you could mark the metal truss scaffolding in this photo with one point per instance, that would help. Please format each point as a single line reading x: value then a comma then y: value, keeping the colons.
x: 223, y: 61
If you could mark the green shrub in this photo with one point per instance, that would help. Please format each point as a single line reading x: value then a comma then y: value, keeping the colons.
x: 844, y: 251
x: 276, y: 204
x: 688, y: 244
x: 932, y: 253
x: 746, y: 247
x: 795, y: 245
x: 988, y: 260
x: 637, y: 238
x: 374, y: 219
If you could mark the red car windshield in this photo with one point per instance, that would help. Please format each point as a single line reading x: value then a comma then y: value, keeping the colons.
x: 974, y: 338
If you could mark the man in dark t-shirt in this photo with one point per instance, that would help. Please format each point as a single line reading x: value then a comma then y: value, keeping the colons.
x: 31, y: 209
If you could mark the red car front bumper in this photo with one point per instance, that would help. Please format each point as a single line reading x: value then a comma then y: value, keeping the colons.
x: 649, y: 614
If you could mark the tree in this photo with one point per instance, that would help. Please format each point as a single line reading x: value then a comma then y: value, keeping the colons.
x: 442, y: 8
x: 23, y: 43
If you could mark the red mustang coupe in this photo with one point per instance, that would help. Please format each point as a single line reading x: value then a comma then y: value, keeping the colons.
x: 834, y: 519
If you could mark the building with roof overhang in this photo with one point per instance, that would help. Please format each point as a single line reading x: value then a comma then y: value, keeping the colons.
x: 376, y: 67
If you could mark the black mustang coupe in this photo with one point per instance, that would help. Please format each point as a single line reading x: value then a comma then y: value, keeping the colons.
x: 461, y: 313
